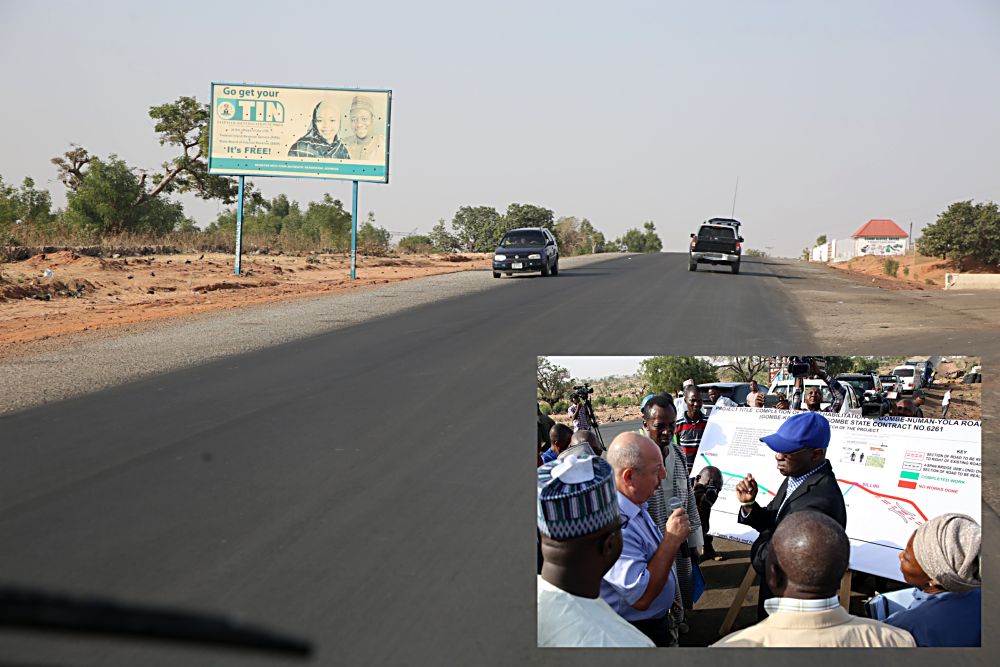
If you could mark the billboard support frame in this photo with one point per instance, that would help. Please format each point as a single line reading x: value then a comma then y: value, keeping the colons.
x: 239, y: 227
x: 354, y: 229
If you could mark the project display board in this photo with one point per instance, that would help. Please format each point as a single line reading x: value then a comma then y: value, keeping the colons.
x: 338, y: 133
x: 895, y: 473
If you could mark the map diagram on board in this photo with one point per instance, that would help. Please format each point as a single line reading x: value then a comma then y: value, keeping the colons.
x: 895, y: 473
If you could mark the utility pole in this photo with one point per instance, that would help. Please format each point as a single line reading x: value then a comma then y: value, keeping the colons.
x: 733, y: 214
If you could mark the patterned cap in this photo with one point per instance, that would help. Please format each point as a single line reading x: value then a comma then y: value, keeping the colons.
x: 576, y: 497
x: 362, y: 103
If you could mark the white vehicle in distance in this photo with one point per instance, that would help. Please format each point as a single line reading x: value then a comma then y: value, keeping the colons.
x: 851, y: 405
x: 909, y: 378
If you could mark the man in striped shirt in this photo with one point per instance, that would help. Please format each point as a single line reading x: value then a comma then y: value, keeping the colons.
x: 691, y: 426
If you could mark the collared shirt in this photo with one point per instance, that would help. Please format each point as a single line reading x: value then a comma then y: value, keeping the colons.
x: 628, y: 578
x: 944, y: 619
x: 566, y: 620
x: 796, y: 482
x: 774, y: 605
x: 549, y: 455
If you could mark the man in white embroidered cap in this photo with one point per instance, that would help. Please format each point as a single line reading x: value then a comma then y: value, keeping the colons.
x: 364, y: 144
x: 581, y: 534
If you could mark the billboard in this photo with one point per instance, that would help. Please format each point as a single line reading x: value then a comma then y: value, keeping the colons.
x: 895, y: 473
x: 260, y: 130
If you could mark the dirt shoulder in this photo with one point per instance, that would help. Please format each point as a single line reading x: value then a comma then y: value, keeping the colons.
x: 59, y: 295
x: 912, y: 272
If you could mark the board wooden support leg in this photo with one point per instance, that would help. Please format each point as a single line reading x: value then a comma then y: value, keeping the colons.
x: 845, y: 591
x: 741, y: 596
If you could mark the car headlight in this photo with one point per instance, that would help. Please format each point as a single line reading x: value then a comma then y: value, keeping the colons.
x: 534, y: 256
x: 499, y: 258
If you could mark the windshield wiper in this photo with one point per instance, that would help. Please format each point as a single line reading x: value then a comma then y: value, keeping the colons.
x: 37, y: 610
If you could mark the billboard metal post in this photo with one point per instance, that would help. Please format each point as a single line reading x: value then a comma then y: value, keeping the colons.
x: 239, y: 227
x: 354, y: 230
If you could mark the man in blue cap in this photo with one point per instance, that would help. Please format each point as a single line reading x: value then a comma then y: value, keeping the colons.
x: 800, y: 450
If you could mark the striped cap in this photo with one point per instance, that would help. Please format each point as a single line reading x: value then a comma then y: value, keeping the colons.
x: 576, y: 497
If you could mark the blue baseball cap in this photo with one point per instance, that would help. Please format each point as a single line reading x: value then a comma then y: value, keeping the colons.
x: 806, y: 429
x: 642, y: 406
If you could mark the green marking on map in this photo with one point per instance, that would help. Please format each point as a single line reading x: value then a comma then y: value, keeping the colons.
x: 729, y: 474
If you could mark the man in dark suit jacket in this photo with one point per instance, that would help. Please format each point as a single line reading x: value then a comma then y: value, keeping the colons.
x: 800, y: 450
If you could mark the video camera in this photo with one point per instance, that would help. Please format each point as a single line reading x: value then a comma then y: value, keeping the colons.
x: 583, y: 391
x: 800, y: 367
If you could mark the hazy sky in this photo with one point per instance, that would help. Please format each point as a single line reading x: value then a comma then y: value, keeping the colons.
x: 830, y: 113
x: 595, y: 368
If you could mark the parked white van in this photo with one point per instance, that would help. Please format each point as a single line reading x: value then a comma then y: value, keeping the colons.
x: 909, y: 378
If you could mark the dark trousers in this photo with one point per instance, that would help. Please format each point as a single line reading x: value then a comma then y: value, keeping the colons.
x: 657, y: 629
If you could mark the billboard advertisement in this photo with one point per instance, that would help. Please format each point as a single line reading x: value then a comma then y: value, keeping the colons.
x: 261, y: 130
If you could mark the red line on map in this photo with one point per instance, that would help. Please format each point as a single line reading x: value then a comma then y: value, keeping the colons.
x: 884, y: 495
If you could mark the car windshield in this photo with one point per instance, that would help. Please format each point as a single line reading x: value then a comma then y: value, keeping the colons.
x: 905, y: 372
x: 523, y: 240
x: 861, y: 384
x: 788, y: 388
x: 716, y: 232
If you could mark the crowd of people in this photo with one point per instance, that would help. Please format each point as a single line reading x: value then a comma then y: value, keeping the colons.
x: 623, y: 529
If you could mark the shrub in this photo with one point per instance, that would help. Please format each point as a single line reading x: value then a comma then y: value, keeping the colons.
x: 890, y: 266
x: 560, y: 406
x: 906, y: 270
x: 601, y: 400
x: 416, y: 244
x: 544, y: 407
x: 929, y: 281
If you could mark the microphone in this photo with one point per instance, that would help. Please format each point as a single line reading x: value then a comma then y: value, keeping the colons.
x: 675, y: 504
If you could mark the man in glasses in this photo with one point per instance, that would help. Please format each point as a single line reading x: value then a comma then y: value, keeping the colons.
x: 641, y: 585
x: 800, y: 449
x: 581, y: 536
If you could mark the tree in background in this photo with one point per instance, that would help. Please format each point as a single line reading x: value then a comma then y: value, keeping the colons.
x: 526, y: 215
x: 578, y: 237
x: 478, y: 228
x: 415, y: 243
x: 553, y: 382
x: 821, y: 240
x: 110, y: 200
x: 372, y: 239
x: 635, y: 241
x: 441, y: 239
x: 753, y: 252
x: 744, y: 369
x: 964, y: 231
x: 667, y: 374
x: 264, y: 217
x: 25, y: 206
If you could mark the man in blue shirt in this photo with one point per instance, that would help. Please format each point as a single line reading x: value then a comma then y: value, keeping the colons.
x: 641, y: 585
x: 560, y: 436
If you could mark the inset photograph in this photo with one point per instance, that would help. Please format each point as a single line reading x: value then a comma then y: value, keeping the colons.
x: 756, y: 501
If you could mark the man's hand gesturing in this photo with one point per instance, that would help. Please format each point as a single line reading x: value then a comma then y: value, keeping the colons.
x: 746, y: 489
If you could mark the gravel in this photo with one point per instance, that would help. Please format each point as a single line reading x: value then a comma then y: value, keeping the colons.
x: 104, y: 359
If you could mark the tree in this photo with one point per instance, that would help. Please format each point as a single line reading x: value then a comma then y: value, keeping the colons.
x: 109, y: 200
x: 635, y: 241
x: 667, y: 374
x: 415, y: 243
x: 962, y: 232
x: 752, y: 252
x: 25, y: 205
x: 591, y: 240
x: 373, y: 240
x: 441, y: 239
x: 744, y: 369
x: 553, y: 382
x: 526, y: 215
x: 269, y: 218
x: 821, y: 240
x: 478, y: 228
x: 578, y: 237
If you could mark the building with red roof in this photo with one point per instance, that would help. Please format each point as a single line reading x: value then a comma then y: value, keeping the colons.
x: 880, y: 237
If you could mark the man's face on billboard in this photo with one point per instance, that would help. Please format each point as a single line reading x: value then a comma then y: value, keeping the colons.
x: 328, y: 121
x: 361, y: 121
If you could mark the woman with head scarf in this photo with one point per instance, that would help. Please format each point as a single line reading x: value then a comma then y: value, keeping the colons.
x: 322, y: 140
x: 941, y: 560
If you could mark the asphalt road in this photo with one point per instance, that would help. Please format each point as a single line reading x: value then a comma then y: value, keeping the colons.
x: 364, y: 488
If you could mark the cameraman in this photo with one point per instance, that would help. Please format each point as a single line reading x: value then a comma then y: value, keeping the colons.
x: 579, y: 414
x: 814, y: 395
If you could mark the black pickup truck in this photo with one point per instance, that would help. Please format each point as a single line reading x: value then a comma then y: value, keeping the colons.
x: 718, y: 241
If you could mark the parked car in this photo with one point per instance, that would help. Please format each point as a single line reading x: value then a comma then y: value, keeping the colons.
x: 526, y: 250
x: 735, y: 391
x: 717, y: 242
x: 891, y: 385
x: 874, y: 399
x: 909, y: 379
x: 851, y: 405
